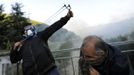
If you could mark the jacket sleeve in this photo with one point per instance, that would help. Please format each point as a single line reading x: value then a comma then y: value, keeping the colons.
x: 15, y: 56
x: 53, y: 28
x: 120, y: 66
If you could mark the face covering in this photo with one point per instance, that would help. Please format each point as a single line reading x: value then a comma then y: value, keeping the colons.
x: 101, y: 55
x: 29, y: 31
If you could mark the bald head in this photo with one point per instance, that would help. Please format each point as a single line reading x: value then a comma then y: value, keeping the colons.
x: 92, y: 40
x: 92, y: 44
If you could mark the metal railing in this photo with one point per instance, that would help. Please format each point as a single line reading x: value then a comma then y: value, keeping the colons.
x: 67, y: 65
x: 73, y: 70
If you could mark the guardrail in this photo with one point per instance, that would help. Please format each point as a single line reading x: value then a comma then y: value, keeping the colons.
x: 67, y: 65
x: 74, y: 63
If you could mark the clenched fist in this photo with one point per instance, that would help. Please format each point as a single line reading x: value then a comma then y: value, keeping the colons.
x: 69, y: 14
x: 17, y: 44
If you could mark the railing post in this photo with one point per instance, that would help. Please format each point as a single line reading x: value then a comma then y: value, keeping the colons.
x: 130, y: 65
x: 17, y: 69
x: 64, y: 67
x: 3, y: 69
x: 73, y: 66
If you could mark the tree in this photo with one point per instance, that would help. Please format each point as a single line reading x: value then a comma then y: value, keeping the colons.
x: 132, y: 35
x: 2, y: 26
x: 17, y: 21
x: 122, y: 38
x: 11, y: 26
x: 1, y: 12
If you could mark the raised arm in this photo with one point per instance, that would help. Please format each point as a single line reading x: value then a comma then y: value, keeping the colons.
x: 56, y: 26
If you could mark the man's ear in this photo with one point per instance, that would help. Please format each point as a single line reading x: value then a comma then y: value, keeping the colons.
x: 99, y: 52
x: 100, y: 45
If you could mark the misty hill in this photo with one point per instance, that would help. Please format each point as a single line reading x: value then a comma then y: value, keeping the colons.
x: 111, y: 30
x: 61, y: 39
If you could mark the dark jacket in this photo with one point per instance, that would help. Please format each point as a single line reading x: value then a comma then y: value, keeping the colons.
x: 115, y: 63
x: 36, y: 55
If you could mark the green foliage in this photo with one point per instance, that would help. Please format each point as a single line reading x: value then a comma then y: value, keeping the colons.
x: 11, y: 26
x: 124, y: 38
x: 132, y: 35
x: 35, y: 22
x: 118, y: 38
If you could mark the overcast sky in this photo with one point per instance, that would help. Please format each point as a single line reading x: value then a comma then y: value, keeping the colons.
x: 92, y: 12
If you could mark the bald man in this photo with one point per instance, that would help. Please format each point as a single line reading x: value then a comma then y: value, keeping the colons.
x: 100, y: 58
